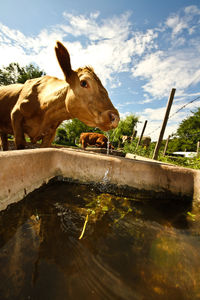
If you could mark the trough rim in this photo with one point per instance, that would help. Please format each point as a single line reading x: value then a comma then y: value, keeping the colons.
x: 59, y: 167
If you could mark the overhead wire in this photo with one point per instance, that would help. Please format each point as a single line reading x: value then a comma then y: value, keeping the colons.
x: 182, y: 107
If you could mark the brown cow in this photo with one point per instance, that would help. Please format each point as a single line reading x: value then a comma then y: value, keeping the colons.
x: 37, y: 107
x: 94, y: 139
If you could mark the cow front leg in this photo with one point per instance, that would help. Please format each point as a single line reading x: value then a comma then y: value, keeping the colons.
x: 17, y: 124
x: 48, y: 139
x: 84, y: 144
x: 4, y: 141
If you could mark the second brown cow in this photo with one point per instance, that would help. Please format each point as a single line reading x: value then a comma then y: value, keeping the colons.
x: 94, y: 139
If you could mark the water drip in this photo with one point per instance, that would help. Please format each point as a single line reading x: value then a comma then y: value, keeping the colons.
x: 104, y: 183
x: 108, y: 144
x: 105, y: 179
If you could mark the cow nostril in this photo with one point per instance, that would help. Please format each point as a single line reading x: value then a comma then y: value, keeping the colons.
x: 110, y: 118
x: 114, y: 119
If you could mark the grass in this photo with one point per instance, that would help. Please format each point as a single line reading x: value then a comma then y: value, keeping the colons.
x: 193, y: 163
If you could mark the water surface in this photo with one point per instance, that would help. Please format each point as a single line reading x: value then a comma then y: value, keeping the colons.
x: 131, y: 248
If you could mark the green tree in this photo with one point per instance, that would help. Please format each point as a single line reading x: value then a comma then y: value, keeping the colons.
x: 187, y: 135
x: 61, y: 136
x: 125, y: 127
x: 13, y: 73
x: 28, y: 72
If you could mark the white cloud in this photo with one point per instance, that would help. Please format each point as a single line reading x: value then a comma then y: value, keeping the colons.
x: 192, y: 9
x: 109, y: 45
x: 183, y: 20
x: 176, y: 65
x: 173, y: 69
x: 96, y: 29
x: 16, y: 47
x: 125, y: 104
x: 176, y: 24
x: 155, y: 117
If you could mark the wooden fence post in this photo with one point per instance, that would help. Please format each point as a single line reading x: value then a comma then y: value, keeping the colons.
x: 166, y: 145
x: 134, y: 134
x: 162, y: 131
x: 198, y: 144
x: 139, y: 141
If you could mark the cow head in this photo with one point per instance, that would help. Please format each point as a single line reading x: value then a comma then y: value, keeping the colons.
x: 86, y: 99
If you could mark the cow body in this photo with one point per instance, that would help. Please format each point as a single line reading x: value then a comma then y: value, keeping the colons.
x: 37, y: 107
x: 94, y: 139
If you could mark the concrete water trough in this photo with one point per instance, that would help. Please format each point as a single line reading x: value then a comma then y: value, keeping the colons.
x: 21, y: 172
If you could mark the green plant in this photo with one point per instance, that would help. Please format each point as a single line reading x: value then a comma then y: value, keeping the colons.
x: 140, y: 150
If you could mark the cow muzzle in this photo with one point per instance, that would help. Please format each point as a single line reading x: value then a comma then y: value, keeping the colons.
x: 114, y: 118
x: 108, y: 120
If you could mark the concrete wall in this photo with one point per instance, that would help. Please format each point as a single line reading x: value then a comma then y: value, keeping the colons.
x: 23, y: 171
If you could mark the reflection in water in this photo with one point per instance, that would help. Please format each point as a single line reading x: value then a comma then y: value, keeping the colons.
x: 131, y: 249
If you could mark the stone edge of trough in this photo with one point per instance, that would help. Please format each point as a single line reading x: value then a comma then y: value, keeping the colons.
x: 23, y: 171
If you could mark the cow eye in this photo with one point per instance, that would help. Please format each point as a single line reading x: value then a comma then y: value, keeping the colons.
x: 84, y: 83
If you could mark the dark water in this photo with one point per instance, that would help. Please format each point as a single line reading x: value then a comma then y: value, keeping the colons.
x: 131, y: 249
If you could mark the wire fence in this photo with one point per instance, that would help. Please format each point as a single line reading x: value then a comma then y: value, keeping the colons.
x: 176, y: 112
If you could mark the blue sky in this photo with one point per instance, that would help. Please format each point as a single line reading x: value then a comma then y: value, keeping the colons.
x: 140, y: 49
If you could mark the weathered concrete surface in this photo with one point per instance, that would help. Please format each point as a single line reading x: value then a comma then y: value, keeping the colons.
x: 138, y: 157
x: 25, y: 170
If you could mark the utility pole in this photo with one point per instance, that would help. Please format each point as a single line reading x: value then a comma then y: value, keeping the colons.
x: 162, y: 131
x: 139, y: 141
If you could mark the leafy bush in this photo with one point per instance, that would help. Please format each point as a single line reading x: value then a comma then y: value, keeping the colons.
x: 141, y: 150
x: 186, y: 162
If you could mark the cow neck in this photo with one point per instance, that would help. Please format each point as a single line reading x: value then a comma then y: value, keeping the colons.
x: 56, y: 111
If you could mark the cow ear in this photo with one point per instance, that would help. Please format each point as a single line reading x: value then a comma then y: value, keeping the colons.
x: 64, y: 61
